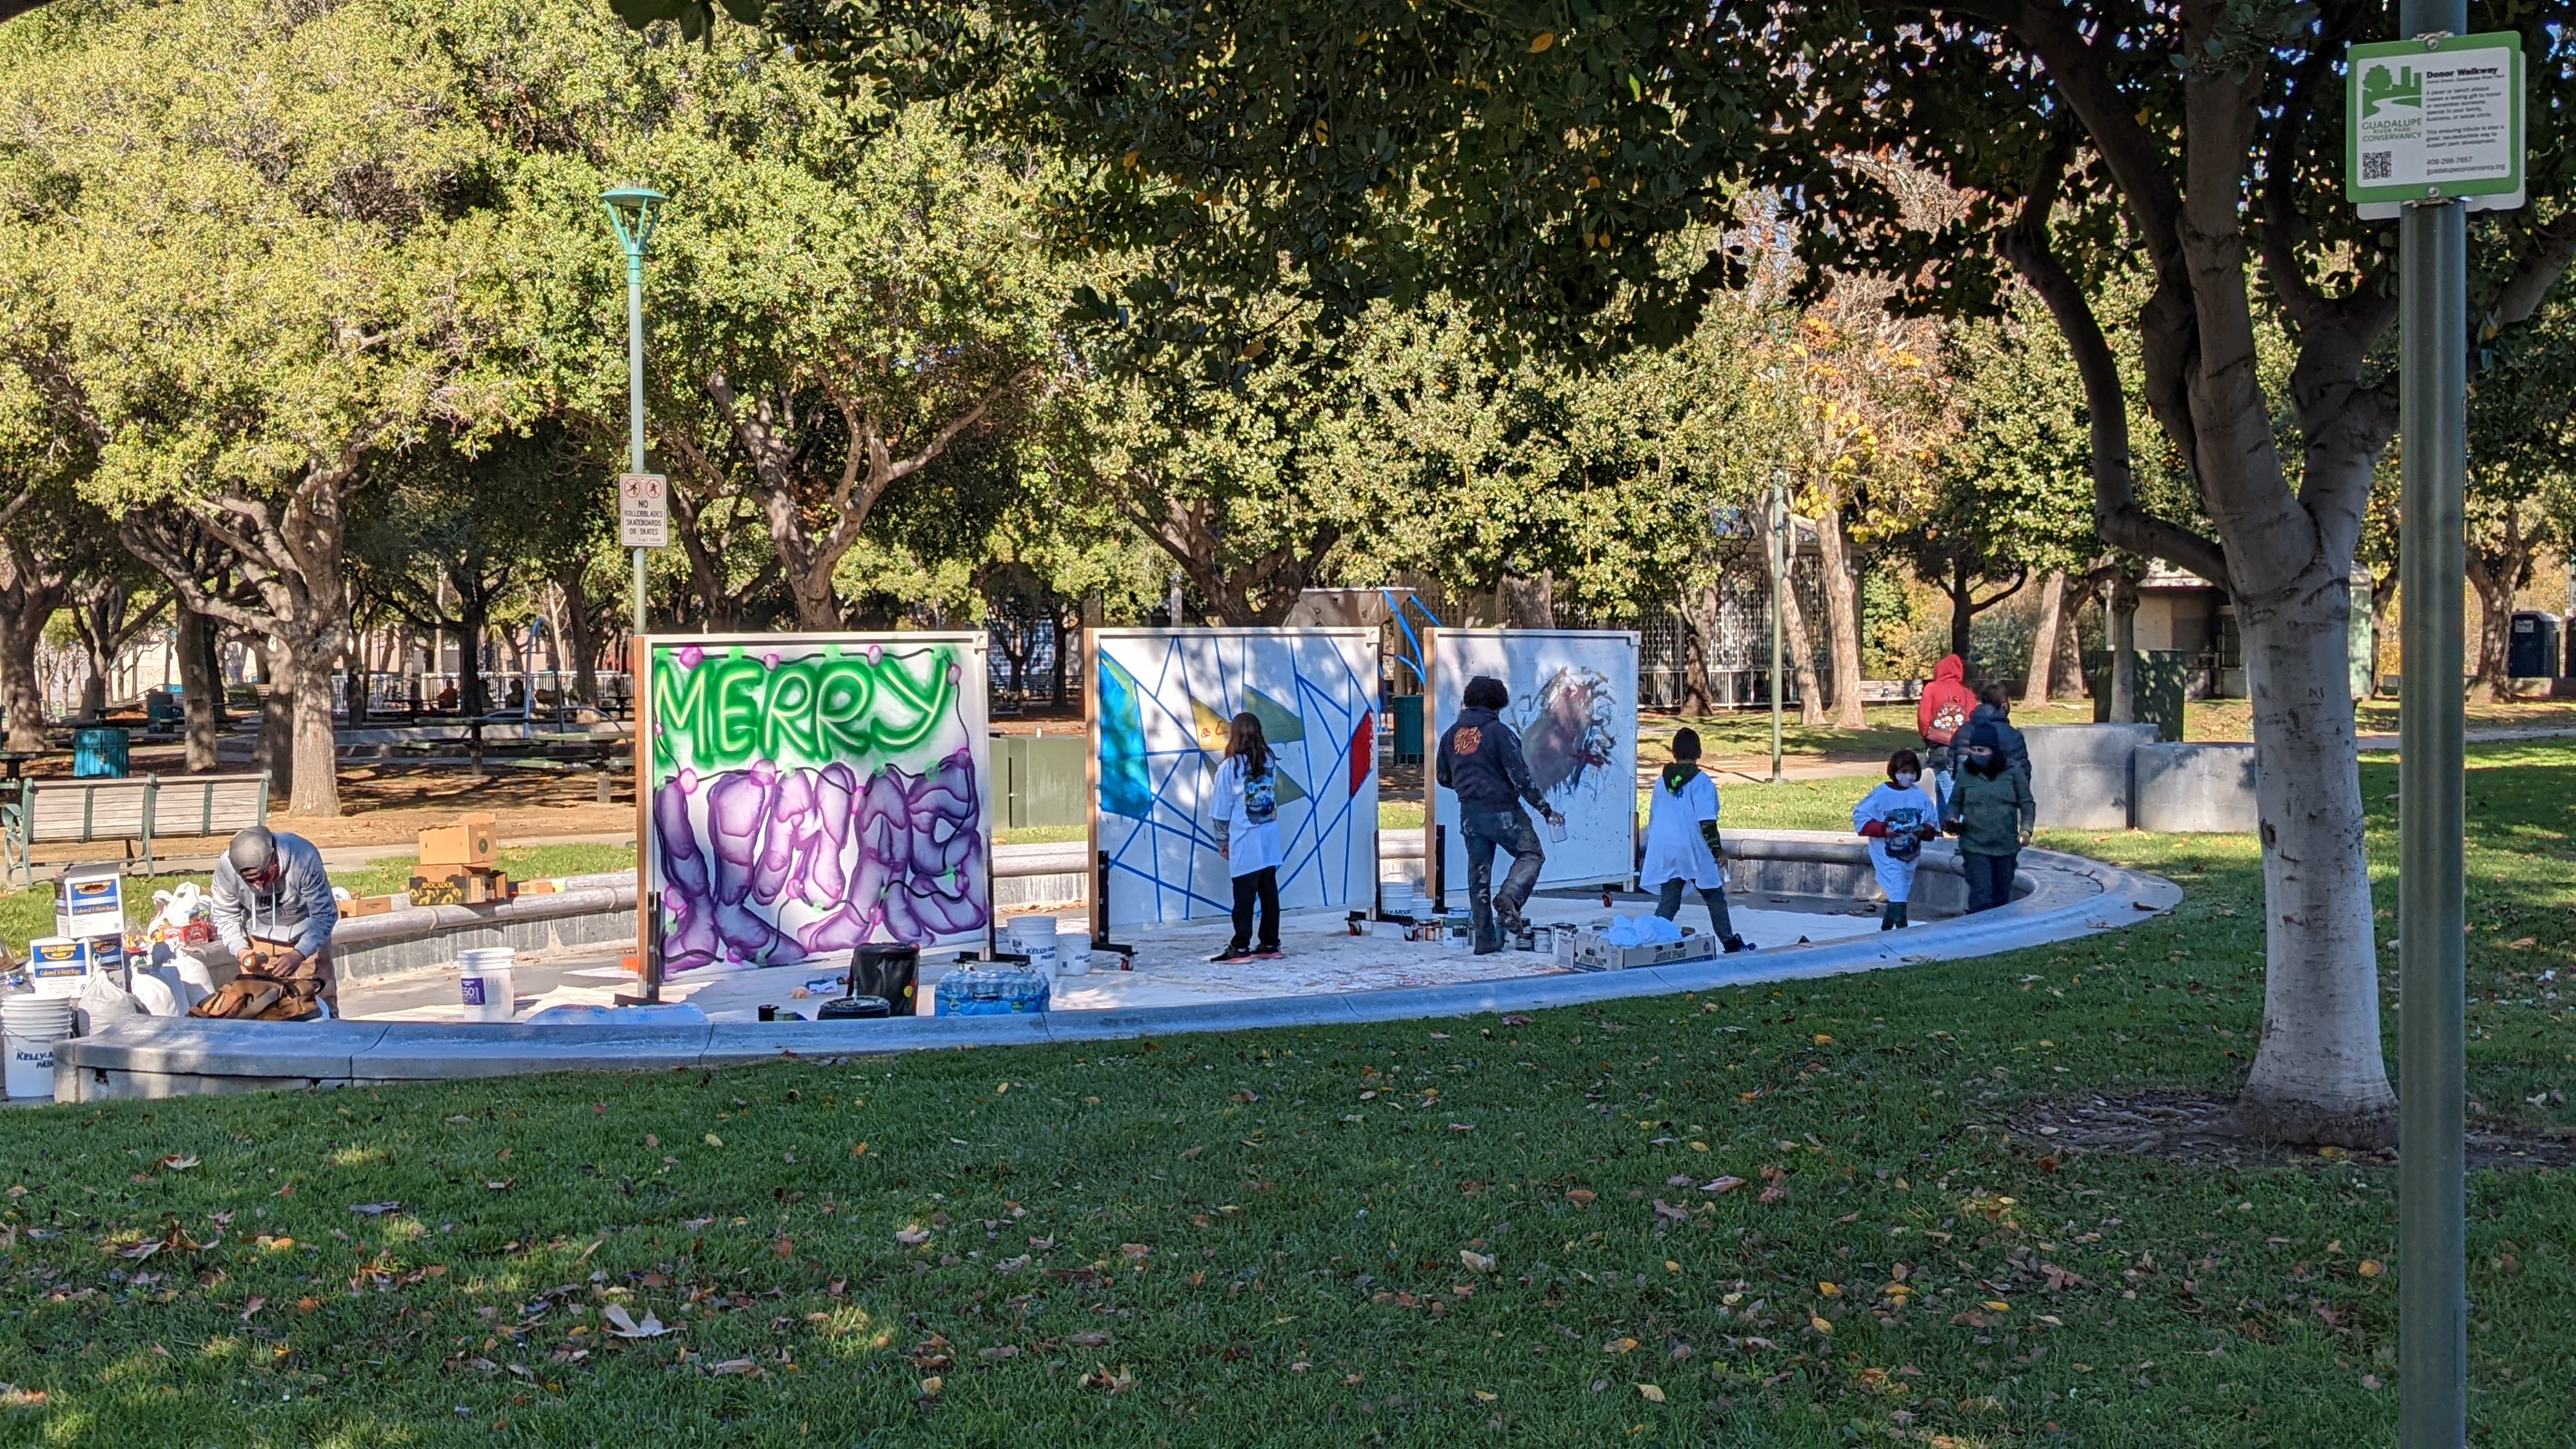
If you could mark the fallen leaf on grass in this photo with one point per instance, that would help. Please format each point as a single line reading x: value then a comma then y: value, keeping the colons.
x: 1664, y: 1209
x: 1722, y: 1184
x: 374, y: 1209
x: 1000, y: 1352
x: 175, y: 1163
x: 14, y: 1397
x: 734, y: 1366
x: 931, y: 1386
x: 912, y: 1237
x: 1117, y: 1383
x: 1580, y: 1196
x: 2370, y: 1268
x: 1516, y: 1020
x: 1476, y: 1262
x: 1088, y: 1338
x: 1191, y: 1152
x: 1135, y: 1252
x: 1650, y: 1393
x: 1483, y: 1397
x: 712, y: 1140
x: 1817, y: 1323
x: 623, y: 1324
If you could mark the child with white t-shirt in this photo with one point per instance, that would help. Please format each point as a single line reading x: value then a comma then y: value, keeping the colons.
x: 1682, y: 844
x: 1245, y: 809
x: 1896, y: 819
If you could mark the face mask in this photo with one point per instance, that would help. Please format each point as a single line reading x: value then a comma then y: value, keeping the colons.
x: 1905, y: 779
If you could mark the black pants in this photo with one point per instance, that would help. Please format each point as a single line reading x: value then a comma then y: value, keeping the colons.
x: 1483, y: 832
x: 1668, y: 904
x: 1263, y: 886
x: 1990, y: 879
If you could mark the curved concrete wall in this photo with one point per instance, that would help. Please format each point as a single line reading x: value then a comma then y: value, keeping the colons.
x: 2079, y: 774
x: 2195, y: 789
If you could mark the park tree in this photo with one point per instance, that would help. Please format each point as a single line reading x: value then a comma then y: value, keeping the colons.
x: 1536, y: 160
x: 45, y: 531
x: 2010, y: 502
x: 2522, y: 475
x: 252, y: 224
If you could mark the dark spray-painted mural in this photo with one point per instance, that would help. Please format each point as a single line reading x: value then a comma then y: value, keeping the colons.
x: 814, y: 793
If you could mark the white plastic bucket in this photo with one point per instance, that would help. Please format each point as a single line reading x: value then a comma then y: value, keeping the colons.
x: 1073, y: 953
x: 30, y: 1026
x: 485, y: 983
x: 1035, y: 938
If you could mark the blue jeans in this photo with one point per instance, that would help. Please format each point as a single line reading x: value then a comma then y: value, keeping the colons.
x: 1483, y: 832
x: 1990, y: 879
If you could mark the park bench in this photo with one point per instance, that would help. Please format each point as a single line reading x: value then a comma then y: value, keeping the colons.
x: 133, y: 811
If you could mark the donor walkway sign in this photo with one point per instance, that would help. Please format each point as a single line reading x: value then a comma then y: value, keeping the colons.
x: 2435, y: 119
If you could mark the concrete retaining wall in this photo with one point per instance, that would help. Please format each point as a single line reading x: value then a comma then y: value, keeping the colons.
x: 2080, y: 774
x: 2195, y: 789
x: 592, y: 910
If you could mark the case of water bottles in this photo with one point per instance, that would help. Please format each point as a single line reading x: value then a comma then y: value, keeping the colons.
x: 986, y: 990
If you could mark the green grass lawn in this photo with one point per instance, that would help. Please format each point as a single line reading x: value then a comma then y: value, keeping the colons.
x: 1283, y: 1238
x: 31, y: 912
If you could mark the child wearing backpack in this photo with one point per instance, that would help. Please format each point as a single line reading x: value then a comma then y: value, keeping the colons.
x: 1682, y: 844
x: 1895, y: 822
x: 1246, y: 812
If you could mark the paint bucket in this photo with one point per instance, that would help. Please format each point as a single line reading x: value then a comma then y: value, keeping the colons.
x: 58, y: 965
x: 485, y: 984
x: 1072, y: 953
x: 887, y: 970
x: 30, y: 1026
x: 855, y: 1008
x: 1035, y: 938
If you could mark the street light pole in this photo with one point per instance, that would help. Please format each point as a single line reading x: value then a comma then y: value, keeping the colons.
x: 2432, y: 1013
x: 1778, y: 529
x: 632, y: 212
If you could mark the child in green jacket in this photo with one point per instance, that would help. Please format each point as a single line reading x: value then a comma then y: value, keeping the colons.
x: 1992, y: 813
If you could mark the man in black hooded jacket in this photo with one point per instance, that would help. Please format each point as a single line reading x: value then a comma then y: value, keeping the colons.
x: 1480, y: 759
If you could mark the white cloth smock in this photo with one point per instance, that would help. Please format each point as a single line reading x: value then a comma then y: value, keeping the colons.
x: 1902, y: 811
x: 1675, y: 850
x: 1253, y: 844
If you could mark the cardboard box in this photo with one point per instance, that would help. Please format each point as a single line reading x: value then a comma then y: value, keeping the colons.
x: 90, y: 901
x: 358, y: 906
x: 1592, y: 953
x: 57, y: 965
x: 541, y: 888
x: 474, y: 840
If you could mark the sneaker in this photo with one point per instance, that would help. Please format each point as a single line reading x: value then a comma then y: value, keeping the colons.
x: 1737, y: 943
x: 1268, y: 953
x: 1231, y: 955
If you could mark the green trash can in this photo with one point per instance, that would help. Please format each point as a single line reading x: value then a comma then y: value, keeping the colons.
x: 1407, y: 709
x: 99, y: 754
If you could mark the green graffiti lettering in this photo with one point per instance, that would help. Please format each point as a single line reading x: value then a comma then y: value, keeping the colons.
x: 729, y: 710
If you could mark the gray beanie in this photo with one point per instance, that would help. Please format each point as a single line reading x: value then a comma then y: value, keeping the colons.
x: 253, y: 850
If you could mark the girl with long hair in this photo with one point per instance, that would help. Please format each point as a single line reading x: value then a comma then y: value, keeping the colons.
x: 1246, y: 812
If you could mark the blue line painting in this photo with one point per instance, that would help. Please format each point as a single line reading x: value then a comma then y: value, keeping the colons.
x: 1165, y: 699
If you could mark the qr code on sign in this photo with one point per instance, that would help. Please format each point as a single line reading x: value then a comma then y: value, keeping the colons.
x: 2378, y: 165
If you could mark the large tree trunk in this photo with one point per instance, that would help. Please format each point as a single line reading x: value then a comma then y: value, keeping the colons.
x: 2120, y: 636
x: 469, y: 660
x: 313, y: 787
x: 20, y: 695
x: 1802, y: 654
x: 1523, y: 601
x: 2318, y: 1075
x: 2496, y: 575
x: 2040, y: 685
x: 1699, y: 611
x: 580, y: 637
x: 1842, y: 614
x: 275, y: 750
x: 200, y: 688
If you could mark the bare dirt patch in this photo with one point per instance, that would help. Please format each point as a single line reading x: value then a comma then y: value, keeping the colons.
x: 2191, y: 1127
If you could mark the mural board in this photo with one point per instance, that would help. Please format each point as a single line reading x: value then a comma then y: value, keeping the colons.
x: 808, y: 793
x: 1160, y: 703
x: 1574, y: 705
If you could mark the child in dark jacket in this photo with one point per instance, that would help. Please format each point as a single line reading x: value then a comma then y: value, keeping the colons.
x: 1991, y: 813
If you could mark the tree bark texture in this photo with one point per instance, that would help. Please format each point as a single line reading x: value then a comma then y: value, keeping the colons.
x: 1842, y: 616
x: 2499, y: 564
x: 1256, y: 592
x: 199, y: 683
x: 580, y: 638
x: 1801, y: 652
x: 2039, y: 684
x: 1699, y: 611
x: 28, y: 597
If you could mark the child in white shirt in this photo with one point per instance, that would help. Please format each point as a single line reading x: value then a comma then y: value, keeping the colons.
x: 1682, y: 843
x: 1246, y: 812
x: 1894, y: 818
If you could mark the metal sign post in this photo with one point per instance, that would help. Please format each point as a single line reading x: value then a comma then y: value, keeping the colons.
x: 2434, y: 128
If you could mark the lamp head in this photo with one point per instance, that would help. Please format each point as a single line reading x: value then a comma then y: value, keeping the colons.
x: 632, y: 211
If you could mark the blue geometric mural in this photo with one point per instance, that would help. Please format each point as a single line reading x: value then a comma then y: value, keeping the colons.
x: 1164, y: 700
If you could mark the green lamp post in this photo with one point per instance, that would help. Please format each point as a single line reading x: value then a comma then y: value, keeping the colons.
x: 632, y: 213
